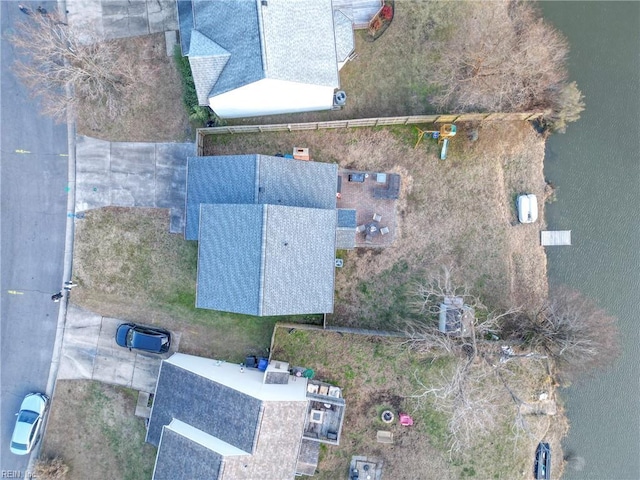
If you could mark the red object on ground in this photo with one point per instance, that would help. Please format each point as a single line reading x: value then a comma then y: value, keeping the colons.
x: 406, y: 420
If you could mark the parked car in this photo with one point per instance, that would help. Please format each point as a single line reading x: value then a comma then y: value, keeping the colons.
x: 26, y: 433
x: 527, y: 208
x: 140, y: 337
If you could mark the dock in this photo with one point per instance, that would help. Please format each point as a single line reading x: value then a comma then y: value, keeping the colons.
x: 549, y: 238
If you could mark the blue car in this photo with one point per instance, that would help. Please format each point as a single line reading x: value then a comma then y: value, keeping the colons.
x: 140, y: 337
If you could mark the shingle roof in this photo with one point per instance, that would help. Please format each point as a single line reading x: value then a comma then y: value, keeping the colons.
x: 257, y: 179
x: 299, y: 42
x: 207, y: 60
x: 308, y: 457
x: 217, y: 410
x: 289, y: 40
x: 185, y: 22
x: 283, y: 181
x: 346, y: 229
x: 299, y: 261
x: 180, y: 457
x: 230, y: 258
x: 233, y: 25
x: 221, y: 179
x: 266, y: 259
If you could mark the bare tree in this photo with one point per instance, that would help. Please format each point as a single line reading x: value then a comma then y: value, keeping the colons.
x: 425, y: 335
x: 471, y: 399
x: 572, y: 330
x: 65, y: 66
x: 499, y: 56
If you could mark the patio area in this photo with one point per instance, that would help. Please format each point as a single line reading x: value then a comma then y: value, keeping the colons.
x: 373, y: 195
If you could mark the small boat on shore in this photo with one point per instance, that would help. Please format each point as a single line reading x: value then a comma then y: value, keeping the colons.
x: 542, y: 469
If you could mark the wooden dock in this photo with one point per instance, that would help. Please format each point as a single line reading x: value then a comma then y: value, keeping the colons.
x: 550, y: 238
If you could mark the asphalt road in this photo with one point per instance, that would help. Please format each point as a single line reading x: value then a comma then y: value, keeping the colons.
x: 33, y: 198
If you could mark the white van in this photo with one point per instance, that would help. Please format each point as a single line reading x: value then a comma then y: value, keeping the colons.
x: 527, y: 208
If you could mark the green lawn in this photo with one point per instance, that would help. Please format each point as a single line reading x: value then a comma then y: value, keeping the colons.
x: 129, y: 266
x: 378, y: 373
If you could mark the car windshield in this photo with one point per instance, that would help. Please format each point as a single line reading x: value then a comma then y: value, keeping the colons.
x: 18, y: 446
x: 146, y: 341
x: 27, y: 417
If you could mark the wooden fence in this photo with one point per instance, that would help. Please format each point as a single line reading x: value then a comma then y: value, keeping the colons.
x: 362, y: 122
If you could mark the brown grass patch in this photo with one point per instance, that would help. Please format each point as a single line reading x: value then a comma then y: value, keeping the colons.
x: 155, y: 110
x: 459, y: 212
x: 378, y: 373
x: 92, y: 427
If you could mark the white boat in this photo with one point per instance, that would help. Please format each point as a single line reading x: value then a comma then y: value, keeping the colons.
x: 527, y: 208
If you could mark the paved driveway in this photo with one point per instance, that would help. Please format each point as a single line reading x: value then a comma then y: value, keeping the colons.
x: 132, y: 174
x: 112, y: 19
x: 89, y: 352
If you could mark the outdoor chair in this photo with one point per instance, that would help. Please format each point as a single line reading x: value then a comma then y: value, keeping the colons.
x: 384, y: 230
x: 376, y: 217
x: 360, y: 228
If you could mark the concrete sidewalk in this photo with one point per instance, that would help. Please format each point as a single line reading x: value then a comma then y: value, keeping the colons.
x: 89, y: 352
x: 132, y: 175
x: 111, y: 19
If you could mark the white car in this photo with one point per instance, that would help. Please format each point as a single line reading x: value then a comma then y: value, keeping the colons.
x: 527, y: 208
x: 29, y: 423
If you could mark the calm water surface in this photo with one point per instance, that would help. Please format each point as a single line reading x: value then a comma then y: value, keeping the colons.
x: 596, y: 168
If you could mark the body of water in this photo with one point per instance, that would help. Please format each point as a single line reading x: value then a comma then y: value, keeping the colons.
x: 596, y: 169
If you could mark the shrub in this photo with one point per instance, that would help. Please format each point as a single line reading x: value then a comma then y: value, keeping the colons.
x: 568, y: 104
x: 386, y: 12
x: 51, y: 469
x: 197, y: 113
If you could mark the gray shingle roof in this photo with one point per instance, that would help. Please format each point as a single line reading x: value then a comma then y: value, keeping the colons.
x: 257, y: 179
x: 180, y: 457
x: 220, y: 411
x: 283, y: 181
x: 207, y: 60
x: 347, y: 218
x: 299, y: 261
x: 299, y: 42
x: 233, y: 25
x: 308, y: 457
x: 266, y: 259
x: 230, y: 258
x: 221, y: 179
x: 185, y: 21
x: 288, y: 40
x: 346, y: 229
